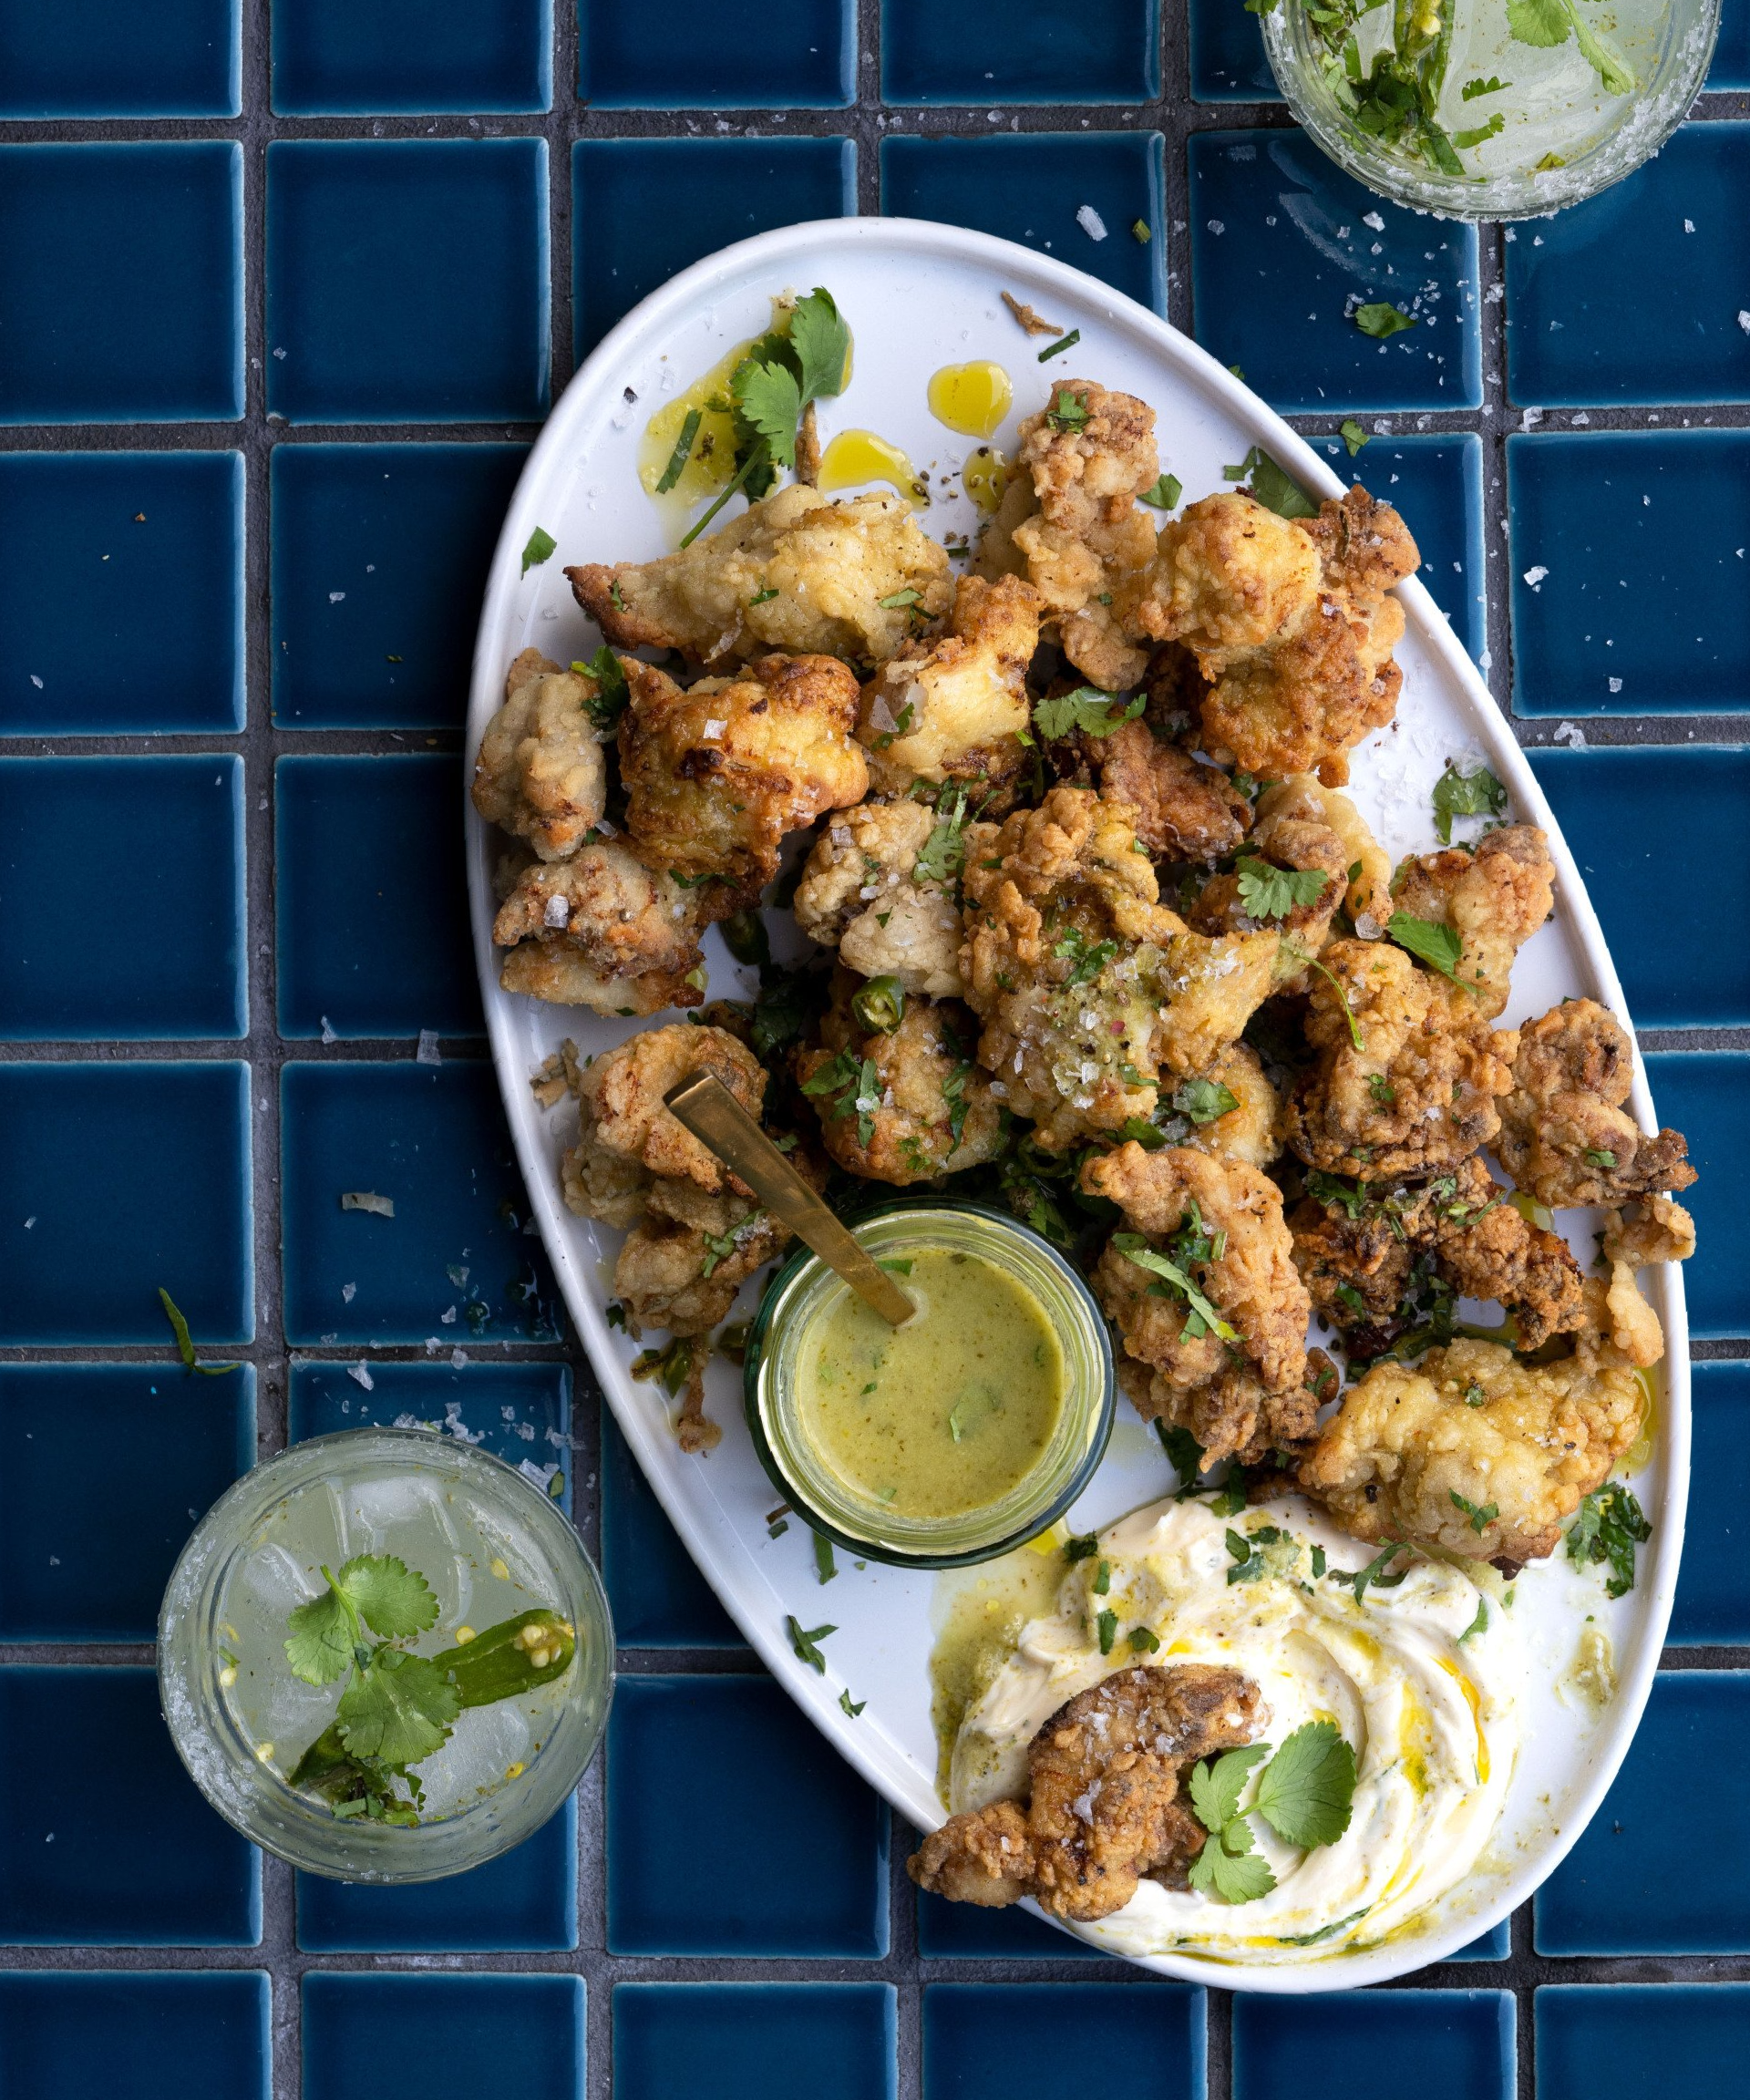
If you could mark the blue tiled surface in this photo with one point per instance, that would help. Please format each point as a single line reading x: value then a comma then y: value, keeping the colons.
x: 1616, y: 1892
x: 1623, y: 2042
x: 782, y: 55
x: 1707, y: 1095
x: 121, y: 283
x: 1631, y: 297
x: 168, y: 1144
x: 964, y: 1931
x: 442, y: 2037
x: 121, y: 596
x: 753, y: 2038
x: 335, y: 57
x: 372, y: 898
x: 696, y: 1888
x: 1029, y: 190
x: 151, y: 1447
x: 1437, y: 484
x: 379, y: 561
x: 106, y: 1842
x: 1281, y: 252
x: 1713, y: 1602
x: 112, y: 58
x: 988, y: 2041
x: 105, y: 2033
x: 1639, y: 820
x: 1227, y: 61
x: 406, y: 280
x: 166, y: 835
x: 1731, y: 67
x: 643, y: 209
x: 1494, y: 1946
x: 1049, y: 51
x: 1645, y: 608
x: 658, y: 1597
x: 1438, y: 2045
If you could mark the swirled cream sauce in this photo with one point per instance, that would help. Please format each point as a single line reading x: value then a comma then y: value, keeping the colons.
x: 1423, y: 1679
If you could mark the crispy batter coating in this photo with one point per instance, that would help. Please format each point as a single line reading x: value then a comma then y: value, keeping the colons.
x: 1494, y: 898
x: 900, y: 1127
x: 717, y: 774
x: 949, y: 709
x: 1304, y: 799
x: 1566, y: 1138
x: 861, y: 893
x: 1419, y: 1097
x: 687, y: 1256
x: 541, y: 774
x: 1185, y: 810
x: 1213, y: 986
x: 1103, y: 1775
x: 1291, y: 833
x: 1244, y: 1395
x: 794, y: 572
x: 1289, y: 620
x: 1652, y: 1229
x: 601, y: 931
x: 1252, y: 1130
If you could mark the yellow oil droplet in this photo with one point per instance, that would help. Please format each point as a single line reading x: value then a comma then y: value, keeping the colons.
x: 1049, y: 1541
x: 501, y: 1570
x: 1640, y: 1450
x: 855, y: 457
x: 515, y: 1771
x: 711, y: 460
x: 464, y: 1634
x: 1472, y: 1701
x: 971, y: 398
x: 264, y: 1751
x: 985, y: 478
x: 228, y: 1676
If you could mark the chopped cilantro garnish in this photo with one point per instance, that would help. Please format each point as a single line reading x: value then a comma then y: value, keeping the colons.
x: 1204, y: 1100
x: 1056, y: 349
x: 1138, y: 1249
x: 540, y: 546
x: 1607, y: 1527
x: 1379, y: 319
x: 851, y: 1706
x: 1430, y: 941
x: 1599, y: 1156
x: 804, y: 1643
x: 611, y: 691
x: 1272, y: 487
x: 1107, y: 1624
x: 1268, y: 893
x: 1479, y: 1517
x: 1479, y: 1624
x: 1457, y: 794
x: 1086, y: 708
x: 825, y: 1566
x: 682, y: 453
x: 1353, y: 435
x: 1165, y: 493
x: 895, y: 600
x: 1478, y: 134
x: 762, y: 597
x: 1069, y: 412
x: 1076, y: 1550
x: 1306, y: 1795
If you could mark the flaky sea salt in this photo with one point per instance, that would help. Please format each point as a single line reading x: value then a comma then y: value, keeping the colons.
x: 1090, y: 222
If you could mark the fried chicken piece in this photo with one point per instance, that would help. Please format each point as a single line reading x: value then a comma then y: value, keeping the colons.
x: 1290, y: 623
x: 717, y: 774
x: 600, y: 930
x: 1651, y: 1230
x: 1419, y: 1455
x: 928, y: 1111
x: 685, y: 1260
x: 949, y: 709
x: 1185, y: 810
x: 541, y: 773
x: 1419, y: 1097
x: 1250, y: 1130
x: 1221, y: 1222
x: 1566, y: 1136
x: 1494, y: 898
x: 1103, y: 1775
x: 1291, y: 835
x: 1304, y: 799
x: 795, y: 574
x: 1212, y: 986
x: 861, y: 892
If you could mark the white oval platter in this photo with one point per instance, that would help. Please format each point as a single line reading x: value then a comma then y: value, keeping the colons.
x: 917, y: 296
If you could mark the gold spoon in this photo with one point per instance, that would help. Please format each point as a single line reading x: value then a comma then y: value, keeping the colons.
x: 707, y: 1108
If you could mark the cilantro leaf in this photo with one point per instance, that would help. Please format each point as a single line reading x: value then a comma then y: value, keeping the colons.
x: 820, y: 344
x: 1607, y: 1527
x: 1272, y: 486
x: 851, y: 1706
x: 1267, y: 892
x: 1138, y: 1249
x: 323, y: 1634
x: 1183, y: 1450
x: 1144, y: 1638
x: 611, y: 691
x: 1542, y: 24
x: 539, y: 547
x: 1164, y: 494
x: 1216, y: 1789
x: 1062, y: 342
x: 1204, y: 1100
x: 769, y: 400
x: 1307, y: 1789
x: 1480, y: 1518
x: 940, y: 858
x: 1478, y: 134
x: 1361, y: 1579
x: 805, y: 1644
x: 1614, y: 77
x: 392, y: 1599
x: 1429, y: 942
x: 787, y: 1003
x: 1353, y: 435
x: 1457, y: 794
x: 1492, y: 86
x: 1228, y: 1868
x: 1076, y: 1550
x: 1087, y: 709
x: 1107, y: 1624
x: 1069, y: 412
x: 399, y: 1708
x: 682, y: 453
x: 1479, y: 1624
x: 1379, y: 319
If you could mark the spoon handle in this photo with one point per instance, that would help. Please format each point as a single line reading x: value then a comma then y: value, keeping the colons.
x: 707, y: 1108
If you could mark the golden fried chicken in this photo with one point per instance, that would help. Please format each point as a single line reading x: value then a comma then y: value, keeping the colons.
x: 1212, y: 986
x: 862, y: 892
x: 1291, y: 836
x: 1218, y: 1223
x: 1652, y: 1229
x: 905, y: 1104
x: 1104, y: 1774
x: 1303, y: 797
x: 949, y: 708
x: 1185, y: 810
x: 717, y: 774
x: 1566, y: 1136
x: 685, y: 1260
x: 1252, y: 1129
x: 796, y: 573
x: 1290, y: 623
x: 541, y: 773
x: 601, y: 931
x: 1418, y: 1097
x: 1494, y: 898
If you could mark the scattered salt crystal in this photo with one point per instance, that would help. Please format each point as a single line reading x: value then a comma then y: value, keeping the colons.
x: 1571, y: 734
x: 447, y: 1319
x: 36, y: 681
x: 557, y: 911
x: 1688, y: 225
x: 458, y: 1358
x: 360, y: 1373
x: 28, y: 1223
x: 1374, y: 219
x: 1215, y: 226
x: 347, y: 1293
x: 715, y: 728
x: 328, y: 1034
x: 428, y: 1053
x: 1744, y: 319
x: 1535, y: 575
x: 1616, y: 685
x: 334, y: 597
x: 279, y: 353
x: 363, y: 1199
x: 1090, y: 222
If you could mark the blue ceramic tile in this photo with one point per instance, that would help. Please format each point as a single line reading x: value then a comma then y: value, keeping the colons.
x: 1635, y: 542
x: 717, y: 55
x: 121, y: 283
x: 105, y: 1469
x: 1227, y: 61
x: 105, y: 1843
x: 371, y: 898
x: 1030, y: 190
x: 91, y: 2036
x: 345, y: 58
x: 1438, y: 2045
x: 1049, y: 51
x: 1731, y: 67
x: 379, y: 561
x: 524, y: 1901
x: 521, y: 1412
x: 1283, y: 249
x: 442, y: 2037
x: 1620, y: 1891
x: 659, y: 1597
x: 1714, y: 1582
x: 1706, y: 1095
x: 708, y: 1884
x: 121, y: 596
x: 1438, y: 483
x: 643, y: 209
x: 1630, y: 297
x: 964, y: 1931
x: 989, y: 2041
x: 406, y: 280
x: 724, y: 2039
x: 1633, y: 2041
x: 164, y: 834
x: 1494, y: 1946
x: 1641, y: 820
x: 168, y: 1147
x: 433, y: 1140
x: 114, y: 58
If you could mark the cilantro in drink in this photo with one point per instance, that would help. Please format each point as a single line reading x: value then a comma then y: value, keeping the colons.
x: 1095, y: 713
x: 539, y: 547
x: 1379, y: 319
x: 1479, y: 134
x: 1492, y: 86
x: 1544, y: 24
x: 1353, y: 435
x: 1064, y: 342
x: 1164, y: 494
x: 1457, y: 794
x: 1267, y: 892
x: 1607, y: 1527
